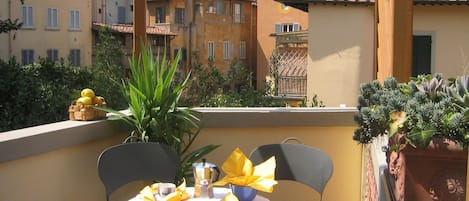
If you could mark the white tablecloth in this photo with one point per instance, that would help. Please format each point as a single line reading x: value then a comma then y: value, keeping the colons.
x: 218, y: 192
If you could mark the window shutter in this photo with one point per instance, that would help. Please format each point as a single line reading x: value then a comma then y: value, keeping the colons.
x: 296, y: 27
x: 278, y: 28
x: 121, y: 15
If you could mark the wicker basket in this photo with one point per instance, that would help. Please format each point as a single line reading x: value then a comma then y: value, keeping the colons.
x: 85, y: 113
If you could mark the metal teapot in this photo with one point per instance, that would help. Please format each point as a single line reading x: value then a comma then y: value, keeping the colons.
x: 204, y: 176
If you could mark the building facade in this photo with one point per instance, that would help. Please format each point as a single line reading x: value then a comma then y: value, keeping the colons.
x: 51, y: 29
x: 342, y: 46
x: 217, y: 31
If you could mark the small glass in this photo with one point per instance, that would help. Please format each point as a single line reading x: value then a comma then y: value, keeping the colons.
x: 165, y: 189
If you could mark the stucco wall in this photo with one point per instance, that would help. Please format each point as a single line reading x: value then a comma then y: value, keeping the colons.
x: 450, y: 43
x: 62, y: 39
x: 341, y: 52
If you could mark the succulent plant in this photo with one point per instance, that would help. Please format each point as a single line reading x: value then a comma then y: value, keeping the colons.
x: 424, y: 108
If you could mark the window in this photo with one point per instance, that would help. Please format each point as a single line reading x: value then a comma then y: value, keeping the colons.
x: 237, y: 18
x: 74, y: 20
x: 179, y: 16
x: 287, y: 27
x: 27, y: 56
x: 160, y: 15
x: 211, y: 50
x: 296, y: 27
x: 121, y: 15
x: 242, y: 50
x: 421, y: 55
x: 52, y: 18
x: 226, y: 50
x: 27, y: 17
x: 53, y: 54
x: 75, y: 57
x: 219, y: 7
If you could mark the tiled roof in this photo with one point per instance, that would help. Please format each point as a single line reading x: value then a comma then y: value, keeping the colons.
x: 125, y: 28
x: 442, y: 2
x: 303, y: 4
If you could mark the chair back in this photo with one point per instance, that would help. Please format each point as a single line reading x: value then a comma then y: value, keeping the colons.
x: 297, y: 162
x: 128, y: 162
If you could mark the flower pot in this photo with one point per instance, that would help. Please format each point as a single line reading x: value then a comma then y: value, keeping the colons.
x: 437, y: 172
x: 243, y: 193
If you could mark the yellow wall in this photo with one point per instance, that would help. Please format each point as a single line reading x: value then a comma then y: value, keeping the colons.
x: 62, y: 39
x: 269, y: 14
x: 70, y: 173
x: 341, y: 52
x: 448, y: 26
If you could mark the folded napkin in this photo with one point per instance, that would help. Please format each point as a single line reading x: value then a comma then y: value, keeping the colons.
x: 240, y: 171
x: 148, y: 193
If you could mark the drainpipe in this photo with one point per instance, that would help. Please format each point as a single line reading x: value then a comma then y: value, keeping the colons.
x: 9, y: 33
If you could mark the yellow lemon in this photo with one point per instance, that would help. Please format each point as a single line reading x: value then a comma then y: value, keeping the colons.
x: 98, y: 100
x: 84, y: 101
x: 87, y: 93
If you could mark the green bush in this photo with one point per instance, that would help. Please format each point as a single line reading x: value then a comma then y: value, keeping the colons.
x: 39, y: 93
x: 212, y: 88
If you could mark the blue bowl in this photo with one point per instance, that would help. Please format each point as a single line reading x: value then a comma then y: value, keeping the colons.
x: 243, y: 193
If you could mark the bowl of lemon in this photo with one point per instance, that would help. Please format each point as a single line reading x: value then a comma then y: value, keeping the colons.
x: 82, y: 108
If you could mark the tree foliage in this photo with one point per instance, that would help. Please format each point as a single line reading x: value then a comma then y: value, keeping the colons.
x: 8, y: 25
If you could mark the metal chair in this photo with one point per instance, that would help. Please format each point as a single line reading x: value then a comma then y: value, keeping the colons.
x: 128, y: 162
x: 297, y: 162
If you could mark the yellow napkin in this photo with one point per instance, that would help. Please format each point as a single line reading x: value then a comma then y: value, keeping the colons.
x: 147, y: 193
x: 240, y: 171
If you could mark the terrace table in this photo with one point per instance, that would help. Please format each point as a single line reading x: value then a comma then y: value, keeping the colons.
x: 218, y: 192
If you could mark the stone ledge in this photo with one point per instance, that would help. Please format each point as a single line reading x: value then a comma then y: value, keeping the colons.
x: 40, y: 139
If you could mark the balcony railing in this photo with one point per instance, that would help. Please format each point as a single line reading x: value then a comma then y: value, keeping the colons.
x: 58, y: 161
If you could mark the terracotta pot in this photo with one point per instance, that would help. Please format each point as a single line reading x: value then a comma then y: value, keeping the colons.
x: 437, y: 172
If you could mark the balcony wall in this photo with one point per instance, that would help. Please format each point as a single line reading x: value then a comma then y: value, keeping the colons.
x: 58, y: 161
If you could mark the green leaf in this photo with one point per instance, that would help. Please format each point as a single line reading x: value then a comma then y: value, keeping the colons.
x: 422, y: 138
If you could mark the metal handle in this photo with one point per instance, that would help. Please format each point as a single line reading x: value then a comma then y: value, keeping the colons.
x: 292, y: 139
x: 218, y: 172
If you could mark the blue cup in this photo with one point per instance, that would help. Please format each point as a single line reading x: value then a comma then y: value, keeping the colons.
x: 243, y: 193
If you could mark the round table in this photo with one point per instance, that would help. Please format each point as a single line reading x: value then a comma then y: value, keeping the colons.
x: 218, y: 192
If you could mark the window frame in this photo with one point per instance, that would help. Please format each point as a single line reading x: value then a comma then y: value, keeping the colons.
x: 52, y: 54
x: 242, y: 50
x: 27, y: 56
x: 120, y: 10
x: 52, y: 21
x: 179, y: 15
x: 226, y: 50
x: 75, y: 57
x: 74, y: 16
x: 219, y: 7
x: 162, y: 18
x: 27, y: 14
x: 237, y: 13
x: 211, y: 50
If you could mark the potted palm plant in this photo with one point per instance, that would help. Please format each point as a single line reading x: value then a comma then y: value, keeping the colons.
x: 153, y: 94
x: 426, y: 122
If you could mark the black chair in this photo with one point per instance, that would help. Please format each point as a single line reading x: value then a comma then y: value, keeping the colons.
x: 297, y: 162
x: 128, y: 162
